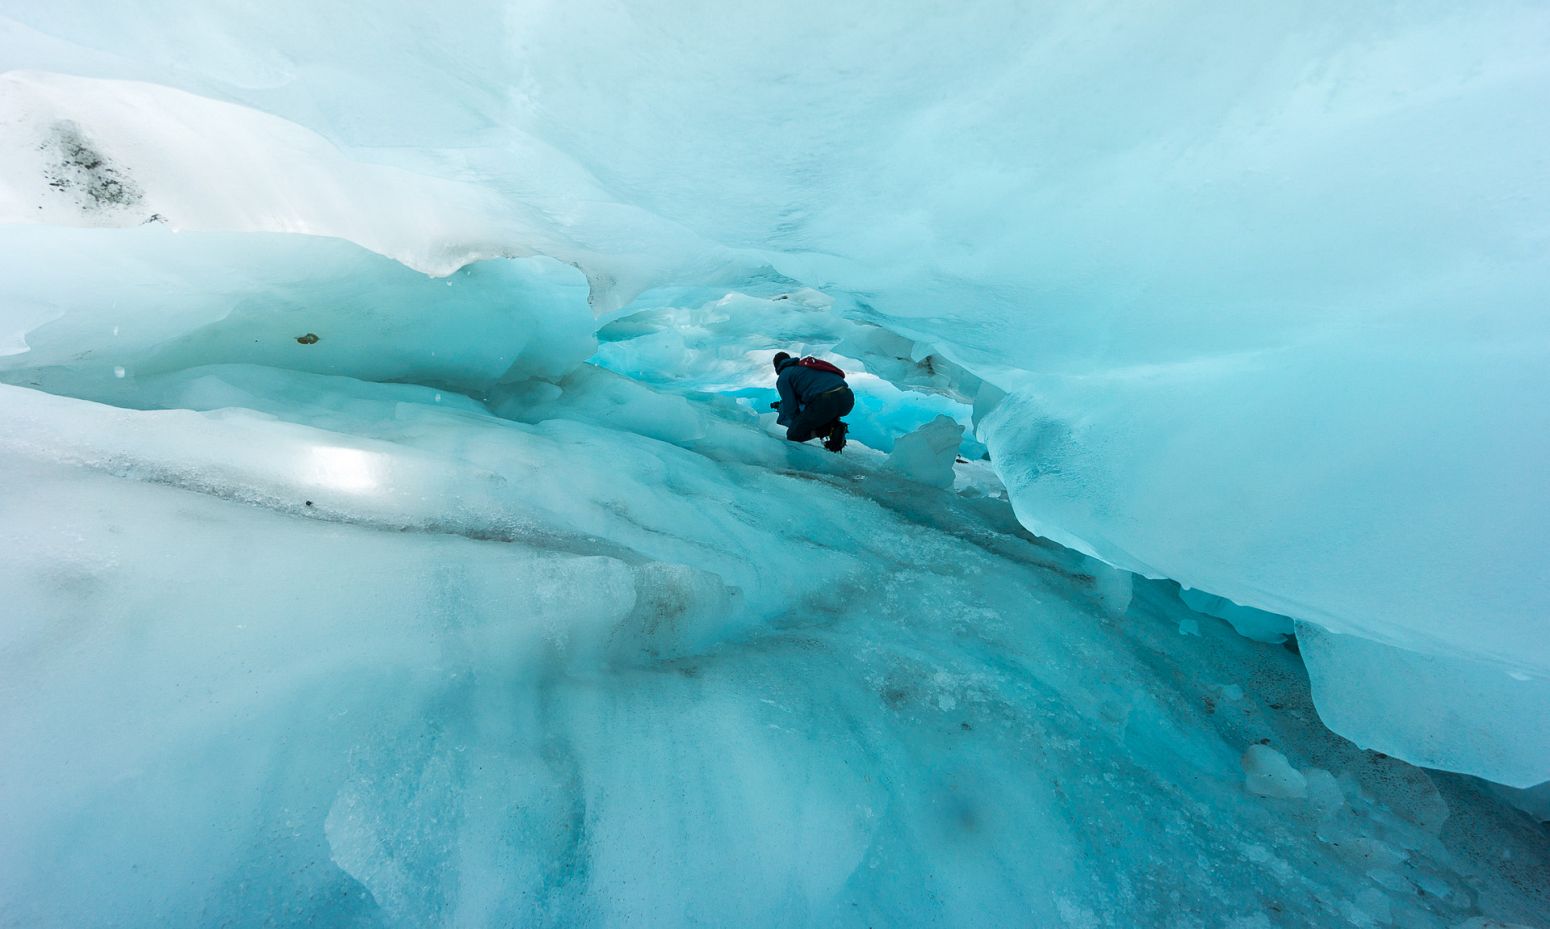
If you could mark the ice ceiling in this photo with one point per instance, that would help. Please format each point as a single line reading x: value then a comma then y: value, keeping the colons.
x: 1248, y: 298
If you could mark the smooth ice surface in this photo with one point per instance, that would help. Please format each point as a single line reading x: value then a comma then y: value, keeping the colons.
x: 1268, y: 774
x: 91, y: 306
x: 1422, y: 701
x: 79, y: 151
x: 926, y: 455
x: 1256, y: 624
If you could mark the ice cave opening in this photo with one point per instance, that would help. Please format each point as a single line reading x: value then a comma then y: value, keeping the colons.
x: 395, y: 531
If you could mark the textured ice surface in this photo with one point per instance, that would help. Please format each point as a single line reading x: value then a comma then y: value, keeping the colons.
x: 365, y: 602
x: 364, y: 654
x: 1262, y: 288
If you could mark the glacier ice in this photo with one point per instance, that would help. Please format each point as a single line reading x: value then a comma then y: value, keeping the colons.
x: 459, y: 669
x: 1256, y: 624
x: 1268, y: 774
x: 395, y: 532
x: 121, y: 153
x: 149, y: 301
x: 927, y: 454
x: 705, y: 345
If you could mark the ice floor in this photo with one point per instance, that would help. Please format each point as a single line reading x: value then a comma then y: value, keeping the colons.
x: 339, y: 653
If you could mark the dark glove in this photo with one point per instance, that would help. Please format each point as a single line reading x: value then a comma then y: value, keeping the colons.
x: 775, y: 405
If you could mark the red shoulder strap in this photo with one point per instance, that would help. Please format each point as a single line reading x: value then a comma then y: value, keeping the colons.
x: 818, y: 364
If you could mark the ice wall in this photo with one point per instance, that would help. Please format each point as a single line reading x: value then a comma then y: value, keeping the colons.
x: 88, y: 311
x: 1264, y: 285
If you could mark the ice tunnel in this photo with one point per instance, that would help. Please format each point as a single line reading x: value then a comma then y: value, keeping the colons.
x: 395, y: 530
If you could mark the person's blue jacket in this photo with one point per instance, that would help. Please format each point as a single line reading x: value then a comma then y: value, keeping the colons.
x: 798, y: 386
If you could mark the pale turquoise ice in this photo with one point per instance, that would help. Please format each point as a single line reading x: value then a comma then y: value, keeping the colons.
x: 1265, y: 286
x: 393, y: 531
x: 343, y: 653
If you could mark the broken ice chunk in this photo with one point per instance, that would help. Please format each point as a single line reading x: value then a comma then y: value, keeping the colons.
x: 927, y: 454
x: 1268, y: 774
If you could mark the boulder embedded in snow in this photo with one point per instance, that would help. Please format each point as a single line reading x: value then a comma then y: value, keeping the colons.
x: 1268, y: 774
x: 927, y: 454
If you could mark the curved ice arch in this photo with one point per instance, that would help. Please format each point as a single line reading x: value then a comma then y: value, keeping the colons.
x: 88, y: 152
x: 88, y: 312
x: 82, y: 151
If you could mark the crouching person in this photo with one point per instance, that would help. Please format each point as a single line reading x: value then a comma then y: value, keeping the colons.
x: 813, y: 397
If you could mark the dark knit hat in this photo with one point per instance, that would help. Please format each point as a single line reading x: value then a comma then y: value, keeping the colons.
x: 781, y: 358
